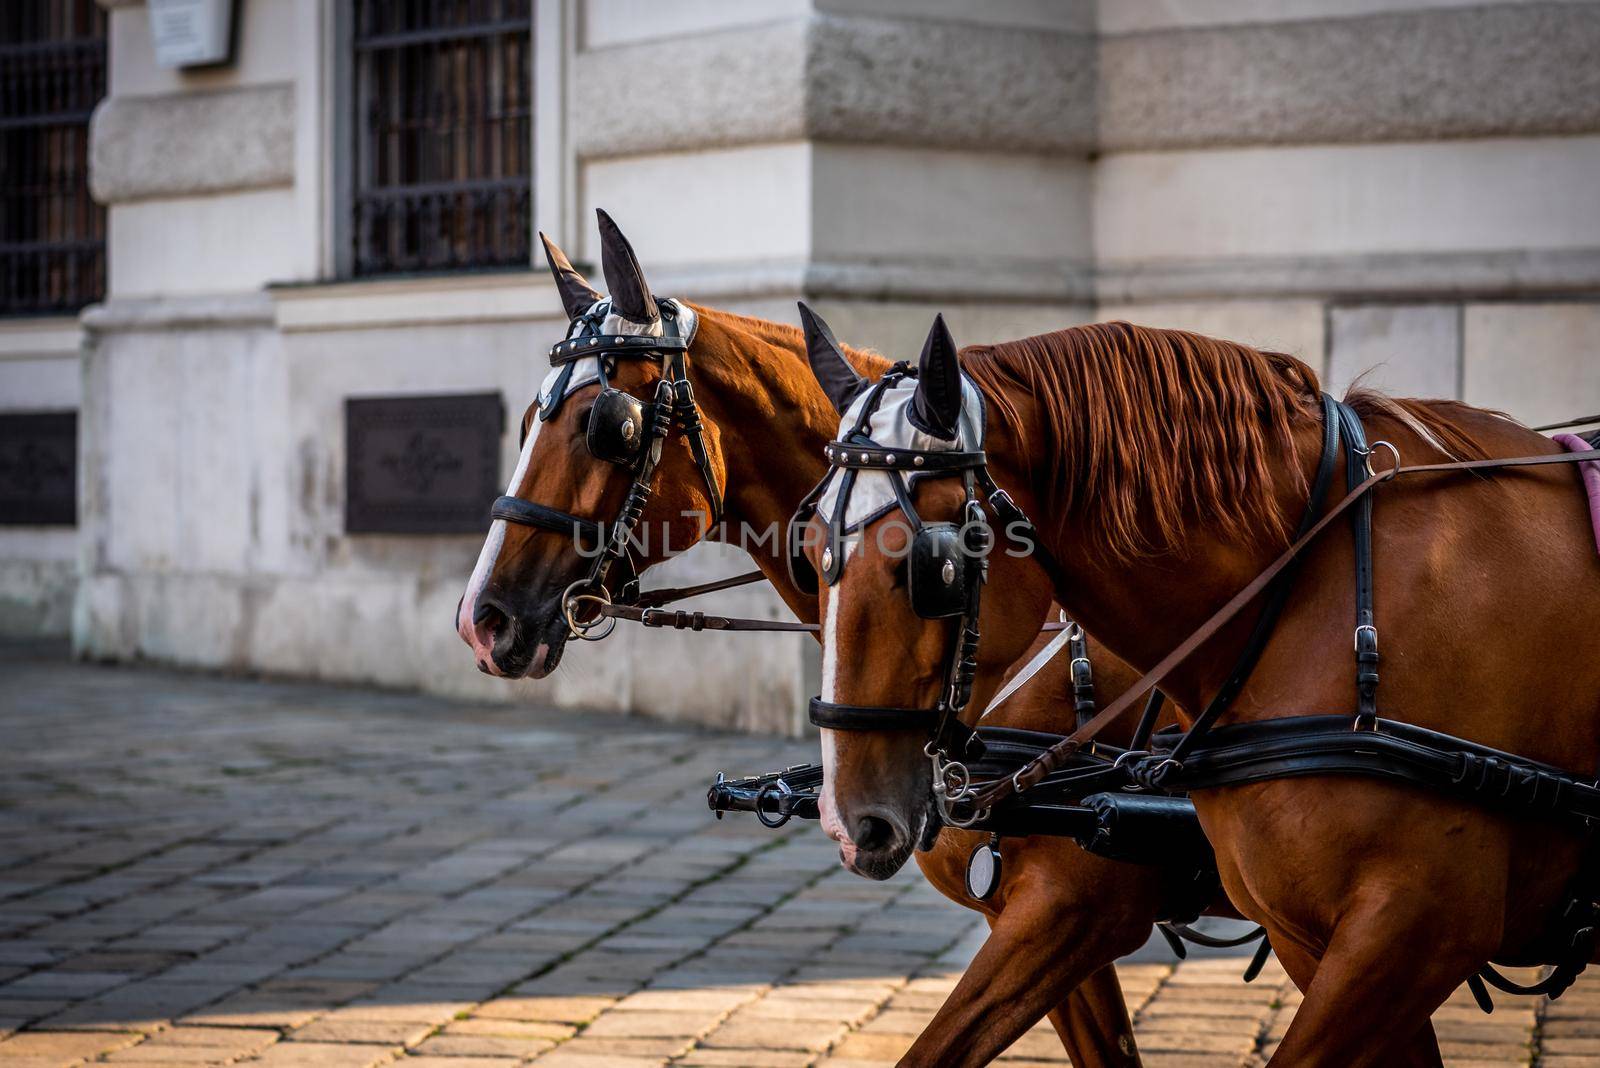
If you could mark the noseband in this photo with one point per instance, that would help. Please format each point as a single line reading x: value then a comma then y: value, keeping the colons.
x: 946, y: 569
x: 623, y: 431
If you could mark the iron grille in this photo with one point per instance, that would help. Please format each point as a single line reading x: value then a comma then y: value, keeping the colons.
x: 52, y: 233
x: 444, y: 134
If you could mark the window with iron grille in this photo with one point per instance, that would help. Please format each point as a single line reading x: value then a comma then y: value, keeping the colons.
x: 52, y: 233
x: 443, y: 98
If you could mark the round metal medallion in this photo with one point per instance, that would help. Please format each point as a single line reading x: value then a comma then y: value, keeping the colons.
x: 827, y: 559
x: 629, y: 431
x: 948, y: 572
x: 983, y: 872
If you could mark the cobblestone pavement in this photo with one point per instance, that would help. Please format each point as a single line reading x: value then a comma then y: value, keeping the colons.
x: 196, y: 870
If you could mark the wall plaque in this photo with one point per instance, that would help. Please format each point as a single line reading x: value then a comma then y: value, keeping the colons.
x: 422, y: 465
x: 192, y: 33
x: 38, y: 468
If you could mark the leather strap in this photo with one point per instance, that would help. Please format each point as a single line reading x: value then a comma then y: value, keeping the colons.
x: 630, y: 345
x: 875, y: 457
x: 668, y: 594
x: 1040, y: 767
x: 1587, y: 420
x: 836, y: 717
x: 1277, y: 595
x: 677, y: 619
x: 1366, y: 632
x: 533, y: 514
x: 1082, y: 676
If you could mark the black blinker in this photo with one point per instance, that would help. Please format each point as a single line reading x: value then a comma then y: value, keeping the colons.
x: 937, y: 572
x: 617, y: 427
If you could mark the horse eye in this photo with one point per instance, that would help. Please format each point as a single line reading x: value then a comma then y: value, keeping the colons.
x: 898, y: 575
x: 583, y: 420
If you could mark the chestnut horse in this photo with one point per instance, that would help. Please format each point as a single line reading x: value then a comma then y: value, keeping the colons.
x: 1162, y: 467
x: 1060, y: 915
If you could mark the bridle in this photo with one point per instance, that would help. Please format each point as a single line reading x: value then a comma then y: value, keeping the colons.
x: 947, y: 567
x: 624, y: 431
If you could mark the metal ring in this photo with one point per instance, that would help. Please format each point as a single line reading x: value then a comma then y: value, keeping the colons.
x: 1391, y: 472
x: 579, y: 629
x: 781, y: 789
x: 959, y: 824
x: 954, y: 772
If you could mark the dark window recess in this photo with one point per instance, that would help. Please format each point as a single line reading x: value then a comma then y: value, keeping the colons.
x: 38, y: 468
x: 52, y: 234
x: 443, y: 97
x: 422, y: 465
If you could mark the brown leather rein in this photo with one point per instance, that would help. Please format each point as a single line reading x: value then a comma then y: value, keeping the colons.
x: 1032, y: 773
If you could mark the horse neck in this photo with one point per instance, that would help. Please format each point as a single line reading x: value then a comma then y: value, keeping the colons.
x: 754, y: 383
x: 1145, y: 607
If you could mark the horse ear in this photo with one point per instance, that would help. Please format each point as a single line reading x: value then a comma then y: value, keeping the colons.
x: 630, y: 296
x: 576, y: 292
x: 834, y: 373
x: 936, y: 406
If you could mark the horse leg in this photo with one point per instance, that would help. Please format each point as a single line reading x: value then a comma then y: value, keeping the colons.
x: 1033, y: 962
x: 1420, y: 1051
x: 1093, y: 1022
x: 1379, y: 976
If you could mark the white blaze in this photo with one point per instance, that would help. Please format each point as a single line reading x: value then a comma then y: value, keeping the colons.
x: 827, y: 806
x: 490, y: 553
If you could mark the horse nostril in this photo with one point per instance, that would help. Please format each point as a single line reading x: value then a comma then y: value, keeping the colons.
x: 873, y: 833
x: 489, y: 615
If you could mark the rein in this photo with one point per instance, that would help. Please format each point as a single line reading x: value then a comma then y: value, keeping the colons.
x: 1041, y: 766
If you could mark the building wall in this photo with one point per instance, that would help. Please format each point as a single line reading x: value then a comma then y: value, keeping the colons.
x: 38, y: 564
x: 1380, y: 186
x: 1386, y: 184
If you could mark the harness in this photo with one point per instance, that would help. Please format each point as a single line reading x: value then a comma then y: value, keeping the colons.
x: 625, y: 431
x: 1207, y: 757
x: 946, y: 568
x: 1078, y: 802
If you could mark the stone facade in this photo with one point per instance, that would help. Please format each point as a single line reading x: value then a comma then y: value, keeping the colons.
x: 1399, y: 185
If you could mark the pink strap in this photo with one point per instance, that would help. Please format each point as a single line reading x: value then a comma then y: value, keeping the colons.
x: 1590, y: 470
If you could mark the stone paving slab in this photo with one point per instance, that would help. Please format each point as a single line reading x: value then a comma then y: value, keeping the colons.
x: 197, y: 870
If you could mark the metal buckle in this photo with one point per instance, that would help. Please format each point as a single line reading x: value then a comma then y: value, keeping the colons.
x: 1366, y: 627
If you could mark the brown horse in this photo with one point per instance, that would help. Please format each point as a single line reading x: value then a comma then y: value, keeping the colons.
x: 1060, y: 915
x: 1165, y: 468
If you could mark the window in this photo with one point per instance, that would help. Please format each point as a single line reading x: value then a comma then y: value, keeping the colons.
x: 52, y: 233
x: 443, y: 122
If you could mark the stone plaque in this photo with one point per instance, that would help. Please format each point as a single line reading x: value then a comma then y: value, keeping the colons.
x: 191, y: 33
x: 38, y: 468
x: 422, y: 465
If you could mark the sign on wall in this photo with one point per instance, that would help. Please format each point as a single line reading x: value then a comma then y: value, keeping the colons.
x: 422, y: 464
x: 192, y: 33
x: 38, y: 468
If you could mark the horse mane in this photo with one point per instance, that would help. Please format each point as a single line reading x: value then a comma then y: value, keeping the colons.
x: 1151, y: 427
